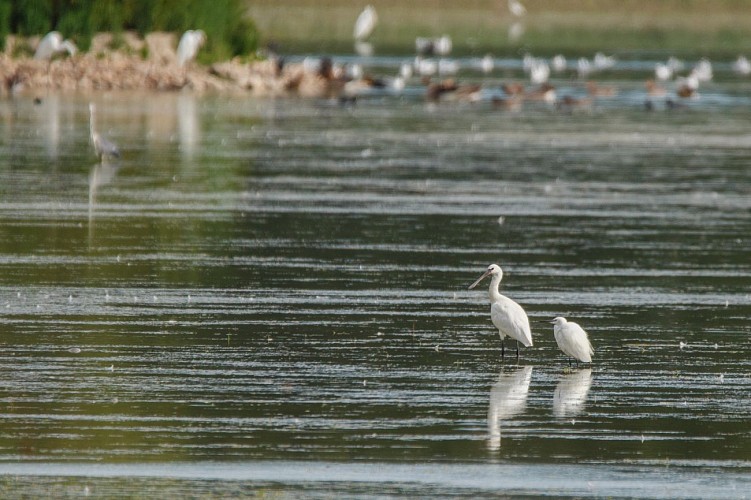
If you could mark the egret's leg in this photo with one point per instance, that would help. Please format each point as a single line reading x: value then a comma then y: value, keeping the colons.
x: 517, y: 350
x: 503, y: 349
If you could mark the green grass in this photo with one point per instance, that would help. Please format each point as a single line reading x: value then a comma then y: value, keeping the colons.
x: 714, y: 28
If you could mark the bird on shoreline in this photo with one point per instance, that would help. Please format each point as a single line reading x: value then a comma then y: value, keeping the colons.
x: 572, y: 340
x: 104, y: 148
x: 52, y: 44
x: 508, y: 316
x: 187, y: 49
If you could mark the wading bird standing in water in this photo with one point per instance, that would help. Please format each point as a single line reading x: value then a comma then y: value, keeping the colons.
x: 507, y: 315
x: 104, y: 148
x: 572, y: 340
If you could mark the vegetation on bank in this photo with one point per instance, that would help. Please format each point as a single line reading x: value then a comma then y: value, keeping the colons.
x: 230, y: 31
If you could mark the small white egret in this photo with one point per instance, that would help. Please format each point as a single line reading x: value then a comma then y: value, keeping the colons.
x: 559, y: 63
x: 742, y: 66
x: 516, y: 8
x: 572, y: 340
x: 663, y: 72
x: 601, y: 61
x: 365, y: 24
x: 487, y: 63
x: 52, y: 44
x: 190, y: 42
x: 103, y: 148
x: 508, y: 316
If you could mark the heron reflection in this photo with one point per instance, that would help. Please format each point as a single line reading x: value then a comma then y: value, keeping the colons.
x: 508, y: 399
x: 571, y: 393
x: 101, y: 174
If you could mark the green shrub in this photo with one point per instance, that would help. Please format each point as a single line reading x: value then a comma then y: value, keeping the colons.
x: 229, y: 30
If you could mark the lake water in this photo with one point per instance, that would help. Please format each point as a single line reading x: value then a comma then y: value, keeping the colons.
x: 270, y: 297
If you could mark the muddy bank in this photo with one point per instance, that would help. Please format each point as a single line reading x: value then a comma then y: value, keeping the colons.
x: 151, y: 64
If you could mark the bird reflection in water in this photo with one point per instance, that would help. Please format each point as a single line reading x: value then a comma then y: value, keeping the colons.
x: 571, y: 393
x: 508, y: 399
x: 101, y: 174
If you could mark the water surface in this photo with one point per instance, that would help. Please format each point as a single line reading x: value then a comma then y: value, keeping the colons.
x: 272, y: 296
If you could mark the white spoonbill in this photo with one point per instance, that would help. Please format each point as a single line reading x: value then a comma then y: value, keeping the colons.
x: 508, y: 316
x: 572, y: 339
x: 104, y: 148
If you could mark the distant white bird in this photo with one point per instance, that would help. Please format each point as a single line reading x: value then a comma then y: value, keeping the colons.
x: 516, y: 8
x: 52, y: 44
x: 405, y: 71
x: 703, y: 70
x: 487, y: 64
x: 443, y: 45
x: 572, y: 340
x: 190, y: 42
x: 742, y: 66
x: 559, y: 63
x: 508, y: 316
x: 675, y: 64
x: 103, y: 148
x: 539, y: 73
x: 448, y: 67
x: 601, y: 61
x: 583, y: 67
x: 663, y: 72
x: 365, y: 24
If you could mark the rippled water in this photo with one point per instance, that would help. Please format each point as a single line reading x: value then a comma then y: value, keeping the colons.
x: 271, y: 296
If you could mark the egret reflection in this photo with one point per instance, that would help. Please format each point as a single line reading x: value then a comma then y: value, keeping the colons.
x: 188, y: 124
x: 508, y: 399
x: 571, y: 393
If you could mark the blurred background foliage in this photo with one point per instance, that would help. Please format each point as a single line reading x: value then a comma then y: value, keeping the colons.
x: 229, y: 29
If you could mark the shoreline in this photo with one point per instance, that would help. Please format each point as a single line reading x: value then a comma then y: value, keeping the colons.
x: 104, y: 68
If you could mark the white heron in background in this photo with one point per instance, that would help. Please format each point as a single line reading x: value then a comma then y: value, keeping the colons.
x: 558, y: 63
x: 601, y: 61
x: 190, y: 42
x: 103, y: 148
x: 742, y: 66
x: 508, y: 316
x: 52, y: 44
x: 516, y: 8
x: 487, y: 64
x: 583, y: 67
x: 663, y: 72
x: 365, y: 24
x: 572, y: 340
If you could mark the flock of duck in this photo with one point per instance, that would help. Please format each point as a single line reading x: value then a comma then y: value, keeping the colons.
x: 512, y: 321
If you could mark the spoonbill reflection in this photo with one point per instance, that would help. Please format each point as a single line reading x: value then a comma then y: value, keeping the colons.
x: 104, y: 148
x: 508, y: 316
x: 572, y: 340
x: 508, y: 398
x: 571, y: 393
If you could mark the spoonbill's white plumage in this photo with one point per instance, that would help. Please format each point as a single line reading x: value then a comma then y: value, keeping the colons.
x: 366, y: 23
x: 190, y: 42
x: 508, y: 316
x: 572, y: 339
x: 103, y: 148
x: 742, y: 66
x: 52, y: 44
